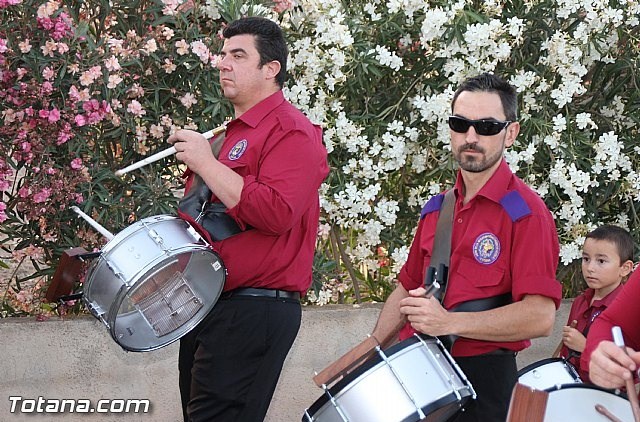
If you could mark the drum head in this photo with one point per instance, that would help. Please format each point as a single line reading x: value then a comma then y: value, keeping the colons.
x: 548, y: 373
x: 167, y: 301
x: 577, y: 402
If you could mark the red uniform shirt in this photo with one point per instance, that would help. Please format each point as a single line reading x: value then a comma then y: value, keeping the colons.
x: 585, y: 313
x: 624, y: 312
x: 503, y: 240
x: 281, y: 157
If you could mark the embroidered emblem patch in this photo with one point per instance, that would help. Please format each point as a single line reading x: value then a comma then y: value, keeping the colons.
x: 238, y: 149
x: 486, y: 248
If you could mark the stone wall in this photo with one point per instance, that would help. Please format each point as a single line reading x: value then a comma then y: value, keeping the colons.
x: 76, y: 358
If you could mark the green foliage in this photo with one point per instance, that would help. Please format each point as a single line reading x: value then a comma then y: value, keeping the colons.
x: 101, y: 84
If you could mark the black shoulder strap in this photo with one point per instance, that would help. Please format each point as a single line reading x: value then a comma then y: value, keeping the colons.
x: 211, y: 216
x: 441, y: 250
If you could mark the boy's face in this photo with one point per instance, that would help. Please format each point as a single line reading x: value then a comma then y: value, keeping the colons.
x: 601, y: 266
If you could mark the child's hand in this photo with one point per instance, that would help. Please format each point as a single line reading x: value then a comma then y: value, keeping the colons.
x: 573, y: 338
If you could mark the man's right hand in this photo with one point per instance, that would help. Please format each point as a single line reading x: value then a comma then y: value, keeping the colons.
x: 610, y: 366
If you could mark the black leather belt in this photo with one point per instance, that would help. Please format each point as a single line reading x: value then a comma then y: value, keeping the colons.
x: 255, y: 292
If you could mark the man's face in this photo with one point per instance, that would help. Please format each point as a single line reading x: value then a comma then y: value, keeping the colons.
x: 244, y: 82
x: 477, y: 153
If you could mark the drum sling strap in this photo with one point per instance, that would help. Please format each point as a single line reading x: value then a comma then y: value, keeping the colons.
x: 438, y: 269
x: 209, y: 215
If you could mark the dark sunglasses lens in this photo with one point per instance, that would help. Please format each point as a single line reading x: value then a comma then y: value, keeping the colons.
x: 458, y: 124
x: 486, y: 128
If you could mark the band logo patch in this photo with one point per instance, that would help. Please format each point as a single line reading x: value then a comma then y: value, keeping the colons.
x: 238, y: 149
x: 486, y: 248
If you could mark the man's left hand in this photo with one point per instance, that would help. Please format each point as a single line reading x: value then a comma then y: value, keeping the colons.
x: 426, y: 315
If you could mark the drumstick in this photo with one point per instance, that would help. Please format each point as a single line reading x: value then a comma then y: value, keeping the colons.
x: 559, y: 348
x: 167, y: 152
x: 106, y: 233
x: 631, y: 389
x: 605, y: 412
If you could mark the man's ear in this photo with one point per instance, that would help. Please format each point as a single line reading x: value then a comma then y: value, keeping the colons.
x: 272, y: 69
x: 512, y: 133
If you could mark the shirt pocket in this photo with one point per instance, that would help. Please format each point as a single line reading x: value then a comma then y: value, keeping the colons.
x: 480, y: 275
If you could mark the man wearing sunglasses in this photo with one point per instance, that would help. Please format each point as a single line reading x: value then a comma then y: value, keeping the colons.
x: 501, y: 288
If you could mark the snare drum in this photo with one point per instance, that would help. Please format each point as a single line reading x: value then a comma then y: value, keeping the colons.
x: 548, y: 373
x: 412, y: 380
x: 153, y: 282
x: 577, y: 402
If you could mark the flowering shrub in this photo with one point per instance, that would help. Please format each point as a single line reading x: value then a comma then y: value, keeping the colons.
x: 90, y: 87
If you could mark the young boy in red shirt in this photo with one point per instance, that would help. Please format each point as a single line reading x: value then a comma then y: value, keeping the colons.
x: 607, y: 260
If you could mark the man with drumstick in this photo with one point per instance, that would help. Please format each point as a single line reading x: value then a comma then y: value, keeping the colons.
x: 503, y: 245
x: 267, y: 175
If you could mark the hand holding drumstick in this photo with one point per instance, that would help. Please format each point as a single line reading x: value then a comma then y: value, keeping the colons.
x: 631, y: 389
x: 568, y: 333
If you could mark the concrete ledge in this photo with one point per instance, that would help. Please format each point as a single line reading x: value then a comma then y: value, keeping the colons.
x: 76, y: 358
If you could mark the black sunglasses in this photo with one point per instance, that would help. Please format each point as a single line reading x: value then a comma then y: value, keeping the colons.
x: 482, y: 127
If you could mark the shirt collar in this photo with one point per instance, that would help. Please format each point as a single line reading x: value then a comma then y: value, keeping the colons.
x: 605, y: 301
x: 255, y: 114
x: 496, y: 187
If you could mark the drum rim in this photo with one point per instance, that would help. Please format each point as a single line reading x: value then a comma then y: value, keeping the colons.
x: 124, y: 233
x: 572, y: 385
x: 543, y: 362
x: 339, y: 386
x: 413, y: 417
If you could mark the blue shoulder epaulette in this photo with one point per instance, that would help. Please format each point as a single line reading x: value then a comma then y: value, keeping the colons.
x: 432, y: 205
x: 515, y: 205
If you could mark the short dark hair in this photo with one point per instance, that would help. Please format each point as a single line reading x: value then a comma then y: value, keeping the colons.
x: 488, y: 82
x: 269, y: 39
x: 620, y: 237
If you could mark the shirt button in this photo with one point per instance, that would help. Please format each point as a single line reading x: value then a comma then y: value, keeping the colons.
x: 459, y: 220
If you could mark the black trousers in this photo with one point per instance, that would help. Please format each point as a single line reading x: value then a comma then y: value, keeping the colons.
x: 493, y: 377
x: 230, y: 363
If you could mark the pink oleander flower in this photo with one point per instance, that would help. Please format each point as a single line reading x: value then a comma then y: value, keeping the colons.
x: 62, y: 48
x: 76, y: 163
x: 201, y: 50
x: 54, y: 115
x: 46, y: 88
x: 3, y: 45
x: 80, y: 120
x: 48, y: 73
x: 112, y: 64
x: 182, y: 47
x: 24, y: 46
x: 7, y: 3
x: 3, y: 215
x: 64, y: 135
x: 49, y: 48
x: 42, y: 196
x: 136, y: 109
x: 188, y: 100
x: 283, y: 5
x: 24, y: 192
